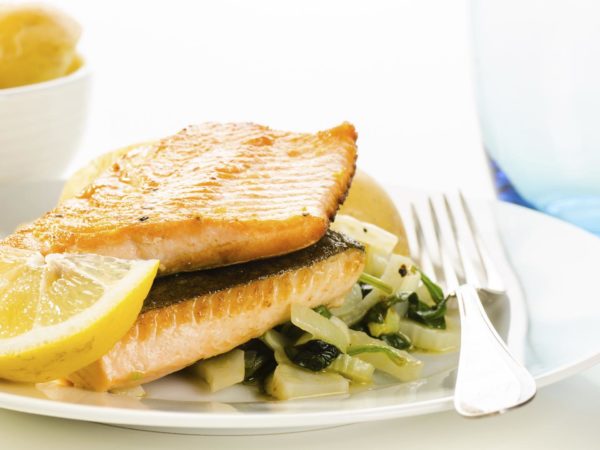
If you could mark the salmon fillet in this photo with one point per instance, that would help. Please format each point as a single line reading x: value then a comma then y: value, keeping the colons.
x: 210, y: 195
x: 196, y: 315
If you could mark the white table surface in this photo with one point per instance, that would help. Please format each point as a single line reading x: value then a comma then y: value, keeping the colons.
x: 399, y: 71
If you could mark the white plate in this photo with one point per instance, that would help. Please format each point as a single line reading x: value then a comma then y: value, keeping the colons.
x: 557, y: 267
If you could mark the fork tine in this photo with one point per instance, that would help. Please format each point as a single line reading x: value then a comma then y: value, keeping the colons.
x: 421, y: 255
x: 427, y: 262
x: 452, y: 265
x: 482, y: 262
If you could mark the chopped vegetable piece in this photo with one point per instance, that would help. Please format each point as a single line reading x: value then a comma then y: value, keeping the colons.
x: 352, y: 299
x: 352, y: 368
x: 390, y: 324
x: 394, y: 278
x: 431, y: 339
x: 324, y: 311
x: 354, y: 315
x: 371, y: 235
x: 388, y: 359
x: 431, y: 316
x: 397, y: 340
x: 289, y: 382
x: 315, y: 355
x: 377, y: 283
x: 409, y: 371
x: 320, y: 327
x: 290, y: 331
x: 221, y: 371
x: 376, y: 262
x: 259, y: 360
x: 275, y: 340
x: 434, y: 290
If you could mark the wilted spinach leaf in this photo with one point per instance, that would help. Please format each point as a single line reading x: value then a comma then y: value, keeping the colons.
x: 397, y: 340
x: 315, y: 355
x: 259, y: 360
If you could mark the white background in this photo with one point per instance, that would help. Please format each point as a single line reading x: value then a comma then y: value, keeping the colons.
x: 400, y: 71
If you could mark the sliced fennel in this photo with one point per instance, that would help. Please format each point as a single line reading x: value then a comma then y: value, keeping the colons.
x: 377, y: 283
x: 277, y: 342
x: 386, y: 358
x: 431, y: 339
x: 319, y: 327
x: 289, y: 382
x: 400, y: 274
x: 366, y: 233
x: 221, y: 371
x: 352, y: 299
x: 391, y: 324
x: 353, y: 368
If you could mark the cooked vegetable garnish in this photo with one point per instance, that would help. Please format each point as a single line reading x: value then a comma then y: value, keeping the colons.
x: 431, y: 316
x: 315, y: 355
x: 353, y: 368
x: 397, y: 340
x: 319, y: 326
x: 259, y: 360
x: 324, y: 311
x: 434, y: 290
x: 431, y: 339
x: 221, y: 371
x: 289, y: 382
x: 384, y: 357
x: 393, y: 307
x: 376, y: 283
x: 390, y: 324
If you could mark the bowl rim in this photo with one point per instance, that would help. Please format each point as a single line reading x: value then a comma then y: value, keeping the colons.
x: 81, y: 72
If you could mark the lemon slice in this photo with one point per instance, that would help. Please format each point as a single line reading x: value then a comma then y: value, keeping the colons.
x: 60, y: 312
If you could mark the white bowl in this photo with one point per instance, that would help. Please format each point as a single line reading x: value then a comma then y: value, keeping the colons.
x: 41, y: 125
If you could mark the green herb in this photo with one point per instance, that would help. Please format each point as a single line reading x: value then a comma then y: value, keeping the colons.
x: 431, y: 316
x: 315, y: 355
x: 376, y: 283
x: 324, y: 311
x: 259, y: 360
x: 290, y: 331
x: 434, y: 290
x: 378, y: 312
x: 397, y: 340
x: 389, y: 352
x: 360, y: 326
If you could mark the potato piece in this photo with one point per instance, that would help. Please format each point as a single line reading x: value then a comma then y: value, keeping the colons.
x: 37, y: 43
x: 368, y: 201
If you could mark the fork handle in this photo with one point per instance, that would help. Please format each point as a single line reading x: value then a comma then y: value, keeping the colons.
x: 489, y: 379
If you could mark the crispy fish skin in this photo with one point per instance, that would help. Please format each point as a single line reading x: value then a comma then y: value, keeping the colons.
x: 210, y: 195
x: 196, y: 315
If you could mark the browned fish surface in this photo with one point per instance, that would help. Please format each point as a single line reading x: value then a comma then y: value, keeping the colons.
x: 211, y: 195
x: 196, y: 315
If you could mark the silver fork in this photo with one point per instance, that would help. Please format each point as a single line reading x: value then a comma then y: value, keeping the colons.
x: 489, y: 379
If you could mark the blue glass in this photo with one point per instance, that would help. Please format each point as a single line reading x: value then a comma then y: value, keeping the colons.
x: 537, y: 72
x: 504, y: 188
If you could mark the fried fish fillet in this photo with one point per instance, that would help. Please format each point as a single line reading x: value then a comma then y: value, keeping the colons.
x: 196, y: 315
x: 210, y: 195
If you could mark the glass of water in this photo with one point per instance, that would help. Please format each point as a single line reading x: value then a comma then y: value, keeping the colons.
x: 537, y: 74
